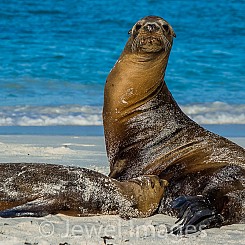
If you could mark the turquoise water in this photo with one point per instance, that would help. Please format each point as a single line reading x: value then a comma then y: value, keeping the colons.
x: 55, y: 57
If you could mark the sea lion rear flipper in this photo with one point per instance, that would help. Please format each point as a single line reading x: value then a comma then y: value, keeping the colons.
x: 195, y: 214
x: 37, y: 208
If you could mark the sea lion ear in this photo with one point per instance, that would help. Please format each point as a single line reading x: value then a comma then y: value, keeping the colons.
x: 172, y: 31
x: 168, y: 29
x: 173, y: 34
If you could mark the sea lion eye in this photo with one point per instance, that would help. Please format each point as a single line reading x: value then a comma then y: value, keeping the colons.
x: 137, y: 27
x: 165, y: 27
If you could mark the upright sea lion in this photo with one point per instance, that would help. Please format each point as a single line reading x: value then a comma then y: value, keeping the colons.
x: 41, y: 189
x: 147, y: 133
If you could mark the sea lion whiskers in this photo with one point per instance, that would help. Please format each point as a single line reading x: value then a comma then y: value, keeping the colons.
x: 158, y: 40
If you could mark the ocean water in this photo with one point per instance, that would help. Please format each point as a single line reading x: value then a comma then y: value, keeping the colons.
x: 55, y: 56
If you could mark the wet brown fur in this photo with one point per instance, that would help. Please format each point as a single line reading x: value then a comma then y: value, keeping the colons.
x: 41, y: 189
x: 147, y: 133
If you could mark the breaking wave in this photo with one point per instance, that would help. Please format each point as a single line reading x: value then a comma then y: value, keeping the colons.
x: 50, y: 115
x: 216, y: 113
x: 208, y: 113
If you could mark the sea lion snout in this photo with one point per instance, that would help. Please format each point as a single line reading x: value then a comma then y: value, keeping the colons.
x: 151, y: 27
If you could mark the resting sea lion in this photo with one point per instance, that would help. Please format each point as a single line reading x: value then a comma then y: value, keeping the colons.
x: 41, y: 189
x: 147, y: 133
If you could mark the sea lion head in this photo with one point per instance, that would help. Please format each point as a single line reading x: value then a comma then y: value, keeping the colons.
x: 148, y: 191
x: 152, y: 34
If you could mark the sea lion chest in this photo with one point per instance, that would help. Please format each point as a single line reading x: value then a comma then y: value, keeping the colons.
x: 134, y: 122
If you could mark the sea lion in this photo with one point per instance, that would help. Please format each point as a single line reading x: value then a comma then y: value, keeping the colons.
x: 146, y: 132
x: 41, y: 189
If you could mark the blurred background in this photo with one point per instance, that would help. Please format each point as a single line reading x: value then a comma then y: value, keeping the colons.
x: 55, y: 56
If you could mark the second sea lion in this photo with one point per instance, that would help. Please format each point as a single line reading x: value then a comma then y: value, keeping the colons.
x: 40, y: 189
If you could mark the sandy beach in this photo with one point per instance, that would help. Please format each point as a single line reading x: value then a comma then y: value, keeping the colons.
x: 89, y: 152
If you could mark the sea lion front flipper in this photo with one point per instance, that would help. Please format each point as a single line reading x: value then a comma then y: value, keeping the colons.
x: 37, y: 208
x: 195, y: 214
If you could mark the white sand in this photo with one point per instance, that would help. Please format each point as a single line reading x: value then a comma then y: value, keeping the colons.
x: 59, y: 229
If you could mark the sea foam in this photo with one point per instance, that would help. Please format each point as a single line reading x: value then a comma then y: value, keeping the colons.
x: 206, y: 113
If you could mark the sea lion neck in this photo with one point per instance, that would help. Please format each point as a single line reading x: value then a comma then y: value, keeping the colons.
x: 134, y: 78
x: 152, y: 62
